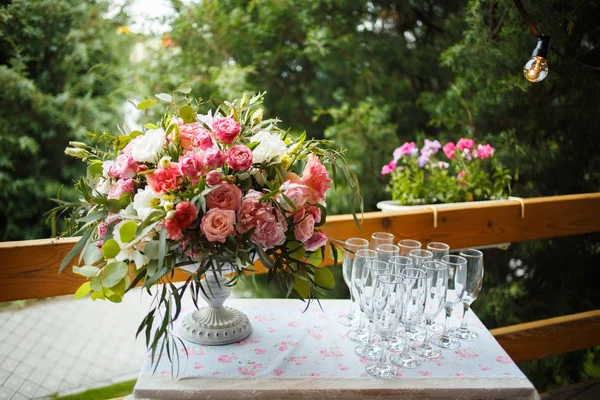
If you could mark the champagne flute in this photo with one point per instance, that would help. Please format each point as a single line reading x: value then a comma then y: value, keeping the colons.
x: 378, y: 238
x: 416, y: 333
x: 413, y: 281
x: 387, y: 305
x: 352, y: 245
x: 474, y: 282
x: 406, y: 245
x: 370, y: 351
x: 397, y: 265
x: 436, y: 273
x: 457, y: 276
x: 386, y: 251
x: 361, y: 258
x: 438, y: 249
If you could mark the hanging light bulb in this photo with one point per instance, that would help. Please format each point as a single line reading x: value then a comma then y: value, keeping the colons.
x: 536, y: 68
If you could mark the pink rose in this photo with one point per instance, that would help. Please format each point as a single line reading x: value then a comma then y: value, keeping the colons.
x: 203, y: 139
x: 449, y: 150
x: 270, y: 224
x: 124, y: 167
x: 317, y: 240
x: 315, y: 212
x: 406, y: 148
x: 164, y: 179
x: 316, y: 178
x: 226, y: 196
x: 213, y: 178
x: 484, y: 151
x: 120, y: 188
x: 217, y: 224
x: 191, y: 165
x: 304, y: 225
x: 185, y: 213
x: 463, y: 144
x: 388, y: 168
x: 213, y: 157
x: 188, y: 134
x: 239, y: 157
x: 226, y: 129
x: 298, y: 195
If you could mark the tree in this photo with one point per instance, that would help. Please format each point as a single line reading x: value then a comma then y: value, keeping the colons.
x: 61, y: 75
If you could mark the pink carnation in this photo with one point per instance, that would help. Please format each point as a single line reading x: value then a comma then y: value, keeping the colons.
x: 164, y: 179
x: 463, y: 144
x: 317, y: 240
x: 316, y: 178
x: 214, y: 157
x: 304, y: 225
x: 191, y: 165
x: 270, y: 224
x: 239, y: 157
x: 406, y: 148
x: 120, y: 188
x: 226, y: 196
x: 213, y: 178
x: 484, y: 151
x: 124, y: 167
x: 173, y: 230
x: 217, y: 224
x: 388, y: 168
x: 226, y: 129
x: 449, y: 150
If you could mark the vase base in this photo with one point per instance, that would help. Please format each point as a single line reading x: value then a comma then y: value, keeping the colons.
x: 215, y: 326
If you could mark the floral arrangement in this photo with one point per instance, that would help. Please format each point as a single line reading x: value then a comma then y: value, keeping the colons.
x: 209, y: 191
x: 462, y: 171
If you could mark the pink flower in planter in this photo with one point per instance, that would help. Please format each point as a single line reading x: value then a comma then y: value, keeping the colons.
x: 449, y: 150
x: 388, y: 168
x: 465, y: 144
x: 484, y: 151
x: 406, y: 148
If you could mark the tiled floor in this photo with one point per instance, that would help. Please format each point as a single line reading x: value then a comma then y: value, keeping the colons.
x: 70, y: 345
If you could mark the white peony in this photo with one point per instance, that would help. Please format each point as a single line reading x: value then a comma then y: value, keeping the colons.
x: 270, y: 146
x: 147, y: 147
x: 145, y: 201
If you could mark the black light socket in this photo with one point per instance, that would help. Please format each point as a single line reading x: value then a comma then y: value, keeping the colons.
x: 543, y: 44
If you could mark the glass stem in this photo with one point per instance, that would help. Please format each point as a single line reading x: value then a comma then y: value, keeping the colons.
x: 428, y: 323
x: 463, y: 324
x: 363, y: 322
x: 384, y: 355
x: 448, y: 315
x: 406, y: 340
x: 370, y: 338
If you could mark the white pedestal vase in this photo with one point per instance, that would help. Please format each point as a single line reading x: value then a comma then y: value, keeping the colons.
x: 216, y: 324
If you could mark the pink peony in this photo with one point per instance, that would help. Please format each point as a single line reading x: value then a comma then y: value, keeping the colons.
x: 270, y: 224
x: 484, y: 151
x: 449, y: 150
x: 188, y: 134
x: 226, y: 129
x: 124, y: 167
x: 315, y: 212
x: 213, y: 178
x: 463, y: 144
x: 304, y: 225
x: 164, y: 179
x: 315, y: 177
x: 388, y: 168
x: 239, y: 157
x: 185, y: 213
x: 406, y: 148
x: 226, y: 196
x: 317, y: 240
x: 191, y: 165
x: 217, y: 224
x: 298, y: 195
x: 214, y: 157
x: 120, y: 188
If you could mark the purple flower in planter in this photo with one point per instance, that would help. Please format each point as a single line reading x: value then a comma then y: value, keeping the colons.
x: 423, y: 160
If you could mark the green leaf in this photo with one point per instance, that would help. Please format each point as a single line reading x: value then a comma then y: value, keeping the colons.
x: 113, y: 205
x: 184, y: 88
x: 119, y: 288
x: 98, y: 296
x: 96, y: 283
x: 83, y: 290
x: 76, y: 249
x: 150, y: 126
x: 94, y: 170
x: 315, y: 259
x: 127, y: 231
x: 296, y: 250
x: 110, y: 249
x: 187, y: 114
x: 135, y: 134
x: 146, y: 104
x: 111, y: 296
x: 87, y: 270
x: 302, y: 286
x: 151, y: 250
x: 324, y: 277
x: 113, y: 273
x: 164, y: 97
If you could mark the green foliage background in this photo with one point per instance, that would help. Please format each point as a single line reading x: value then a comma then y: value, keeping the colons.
x: 368, y: 74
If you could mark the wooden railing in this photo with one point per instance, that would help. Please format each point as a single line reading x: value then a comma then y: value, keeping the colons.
x: 29, y: 269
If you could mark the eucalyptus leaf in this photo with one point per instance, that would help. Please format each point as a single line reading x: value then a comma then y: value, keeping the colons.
x: 110, y: 249
x: 302, y: 286
x: 324, y: 277
x: 151, y: 250
x: 146, y: 104
x: 83, y: 290
x: 113, y: 273
x: 127, y: 231
x: 184, y: 88
x: 164, y: 97
x: 87, y: 270
x: 96, y: 283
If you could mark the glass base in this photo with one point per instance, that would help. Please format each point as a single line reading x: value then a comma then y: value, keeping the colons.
x: 381, y: 371
x: 396, y: 343
x: 426, y: 350
x: 437, y: 327
x: 415, y: 335
x: 445, y: 342
x: 405, y: 360
x: 360, y: 336
x: 464, y: 333
x: 348, y: 319
x: 370, y: 352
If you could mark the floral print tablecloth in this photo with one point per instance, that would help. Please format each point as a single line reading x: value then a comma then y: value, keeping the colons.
x: 289, y: 347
